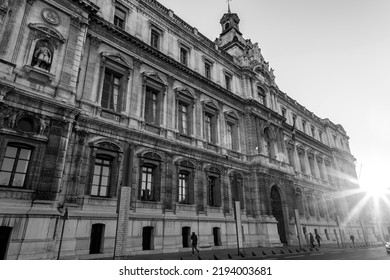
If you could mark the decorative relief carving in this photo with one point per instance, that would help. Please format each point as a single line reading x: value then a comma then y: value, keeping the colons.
x: 4, y: 90
x: 95, y: 41
x: 45, y: 31
x: 77, y: 22
x: 51, y: 16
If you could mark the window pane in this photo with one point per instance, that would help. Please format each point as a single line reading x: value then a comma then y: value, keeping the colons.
x: 103, y: 191
x: 96, y: 180
x: 94, y: 190
x: 11, y: 152
x: 18, y: 180
x: 104, y: 181
x: 22, y: 166
x: 25, y: 154
x: 8, y: 164
x: 4, y: 178
x: 106, y: 171
x: 97, y: 170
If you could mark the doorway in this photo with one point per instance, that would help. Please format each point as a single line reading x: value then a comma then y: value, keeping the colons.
x: 277, y: 211
x: 217, y: 236
x: 186, y: 235
x: 147, y: 238
x: 5, y: 236
x: 97, y: 237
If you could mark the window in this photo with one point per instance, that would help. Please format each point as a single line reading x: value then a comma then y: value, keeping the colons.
x: 320, y: 135
x: 185, y: 182
x: 209, y: 128
x: 304, y: 126
x: 15, y: 165
x: 150, y: 177
x: 152, y: 106
x: 207, y: 69
x: 105, y: 160
x: 183, y: 187
x: 210, y: 111
x: 231, y: 130
x: 120, y: 17
x: 184, y: 113
x: 313, y: 131
x: 154, y: 90
x: 294, y: 118
x: 155, y: 38
x: 111, y: 89
x: 284, y: 112
x: 262, y: 96
x: 229, y: 135
x: 183, y: 118
x: 228, y: 81
x: 147, y: 182
x: 101, y: 176
x: 212, y: 190
x: 184, y: 55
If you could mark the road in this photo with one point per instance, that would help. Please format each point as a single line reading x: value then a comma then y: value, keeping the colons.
x: 376, y: 253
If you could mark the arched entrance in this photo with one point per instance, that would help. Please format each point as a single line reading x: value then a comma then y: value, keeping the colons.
x: 277, y: 211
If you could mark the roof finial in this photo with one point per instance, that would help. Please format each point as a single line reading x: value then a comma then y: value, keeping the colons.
x: 228, y: 1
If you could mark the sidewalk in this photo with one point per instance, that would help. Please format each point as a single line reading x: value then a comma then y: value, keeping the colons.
x: 245, y: 253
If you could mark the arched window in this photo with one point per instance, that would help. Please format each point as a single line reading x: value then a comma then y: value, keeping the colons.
x: 150, y: 177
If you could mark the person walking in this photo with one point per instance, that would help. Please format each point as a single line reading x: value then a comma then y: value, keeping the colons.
x: 352, y: 239
x: 318, y: 238
x: 311, y: 239
x: 194, y: 240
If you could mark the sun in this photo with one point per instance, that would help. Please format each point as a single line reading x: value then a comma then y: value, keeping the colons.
x: 374, y: 187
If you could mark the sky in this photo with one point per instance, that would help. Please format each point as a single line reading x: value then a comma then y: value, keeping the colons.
x: 332, y: 56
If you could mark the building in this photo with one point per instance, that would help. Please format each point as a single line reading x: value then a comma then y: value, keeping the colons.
x: 124, y: 129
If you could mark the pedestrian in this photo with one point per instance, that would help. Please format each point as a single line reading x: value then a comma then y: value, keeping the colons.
x: 311, y: 238
x: 352, y: 239
x: 318, y: 238
x: 194, y: 240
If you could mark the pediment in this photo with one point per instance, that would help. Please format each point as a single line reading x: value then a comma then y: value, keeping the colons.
x: 48, y: 31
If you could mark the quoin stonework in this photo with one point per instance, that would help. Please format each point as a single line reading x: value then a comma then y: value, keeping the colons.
x: 123, y: 130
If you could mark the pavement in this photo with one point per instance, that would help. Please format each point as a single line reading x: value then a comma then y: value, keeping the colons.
x: 212, y: 253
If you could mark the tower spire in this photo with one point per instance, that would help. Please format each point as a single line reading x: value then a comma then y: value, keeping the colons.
x: 228, y: 1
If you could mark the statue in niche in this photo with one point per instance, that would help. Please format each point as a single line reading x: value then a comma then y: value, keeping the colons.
x: 42, y: 56
x: 42, y: 125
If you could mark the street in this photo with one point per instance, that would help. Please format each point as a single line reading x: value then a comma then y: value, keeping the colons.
x: 376, y: 253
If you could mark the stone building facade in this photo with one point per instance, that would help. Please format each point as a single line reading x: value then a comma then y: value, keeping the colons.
x: 123, y: 129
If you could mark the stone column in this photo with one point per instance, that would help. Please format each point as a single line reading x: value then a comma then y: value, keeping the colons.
x: 306, y: 206
x: 91, y: 76
x: 66, y: 90
x: 22, y: 32
x: 307, y: 164
x: 123, y: 208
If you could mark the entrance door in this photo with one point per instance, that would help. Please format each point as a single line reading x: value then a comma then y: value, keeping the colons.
x: 277, y: 211
x: 97, y: 236
x: 5, y: 236
x: 186, y: 235
x: 217, y: 236
x: 147, y: 238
